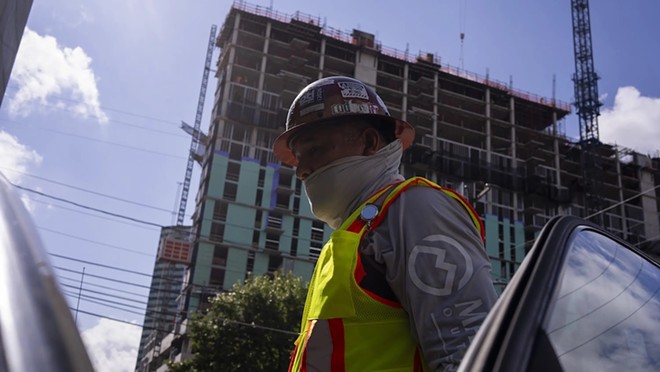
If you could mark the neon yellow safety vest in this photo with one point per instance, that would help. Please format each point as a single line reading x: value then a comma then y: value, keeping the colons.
x: 345, y: 327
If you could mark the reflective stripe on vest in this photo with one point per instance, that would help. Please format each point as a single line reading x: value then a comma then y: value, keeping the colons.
x: 347, y: 328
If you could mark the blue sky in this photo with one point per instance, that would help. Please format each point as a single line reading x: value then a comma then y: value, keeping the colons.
x: 99, y: 88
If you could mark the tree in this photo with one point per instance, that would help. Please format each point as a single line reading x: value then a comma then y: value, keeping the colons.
x: 250, y: 328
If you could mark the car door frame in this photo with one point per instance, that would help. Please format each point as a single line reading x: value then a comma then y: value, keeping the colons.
x: 522, y: 307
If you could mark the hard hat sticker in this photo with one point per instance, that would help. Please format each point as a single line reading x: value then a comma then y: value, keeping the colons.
x: 355, y: 108
x: 310, y: 97
x: 351, y: 89
x: 307, y: 110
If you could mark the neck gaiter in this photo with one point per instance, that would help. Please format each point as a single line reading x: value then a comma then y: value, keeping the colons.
x: 334, y: 189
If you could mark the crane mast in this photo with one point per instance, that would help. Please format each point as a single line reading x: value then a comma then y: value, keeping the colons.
x: 194, y: 143
x: 587, y: 104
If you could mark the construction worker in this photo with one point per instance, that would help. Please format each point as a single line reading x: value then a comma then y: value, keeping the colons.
x: 404, y: 281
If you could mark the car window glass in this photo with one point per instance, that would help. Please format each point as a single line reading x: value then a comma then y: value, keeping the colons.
x: 606, y: 315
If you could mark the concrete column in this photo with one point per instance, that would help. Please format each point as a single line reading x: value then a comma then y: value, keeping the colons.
x: 230, y: 63
x: 514, y: 153
x: 555, y: 144
x: 264, y: 59
x: 512, y: 120
x: 260, y: 88
x: 366, y: 67
x: 404, y: 101
x: 488, y: 198
x: 622, y: 207
x: 489, y: 144
x: 649, y: 206
x: 436, y: 99
x: 434, y: 129
x: 322, y: 58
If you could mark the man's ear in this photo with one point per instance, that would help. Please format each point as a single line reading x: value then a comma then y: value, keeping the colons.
x: 372, y: 141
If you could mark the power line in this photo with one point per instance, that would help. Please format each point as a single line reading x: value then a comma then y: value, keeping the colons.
x: 92, y: 215
x: 84, y: 206
x: 85, y: 297
x: 106, y: 108
x: 103, y: 141
x: 118, y: 320
x: 87, y: 282
x: 621, y: 202
x: 105, y: 294
x: 170, y: 280
x: 250, y: 325
x: 75, y: 296
x: 89, y: 191
x: 103, y: 277
x: 96, y: 242
x: 100, y: 265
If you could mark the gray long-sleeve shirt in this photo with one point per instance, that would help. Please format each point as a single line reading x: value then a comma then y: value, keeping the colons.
x: 433, y: 259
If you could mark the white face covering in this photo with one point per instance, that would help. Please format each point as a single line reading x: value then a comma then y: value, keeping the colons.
x: 335, y: 189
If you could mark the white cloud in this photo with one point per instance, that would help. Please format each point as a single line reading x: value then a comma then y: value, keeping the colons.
x: 44, y: 69
x: 15, y: 159
x: 14, y: 156
x: 633, y: 121
x: 112, y: 346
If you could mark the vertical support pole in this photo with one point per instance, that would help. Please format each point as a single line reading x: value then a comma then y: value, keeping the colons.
x: 82, y: 277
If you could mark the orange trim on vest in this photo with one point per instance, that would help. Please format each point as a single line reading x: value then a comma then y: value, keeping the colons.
x: 357, y: 226
x: 360, y: 274
x: 310, y: 327
x: 338, y: 344
x: 359, y: 269
x: 473, y: 215
x: 417, y: 364
x: 467, y: 204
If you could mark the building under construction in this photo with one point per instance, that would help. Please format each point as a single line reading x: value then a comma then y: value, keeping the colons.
x: 160, y: 317
x: 499, y: 147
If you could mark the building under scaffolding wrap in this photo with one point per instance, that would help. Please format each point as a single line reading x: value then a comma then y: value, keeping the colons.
x: 500, y: 147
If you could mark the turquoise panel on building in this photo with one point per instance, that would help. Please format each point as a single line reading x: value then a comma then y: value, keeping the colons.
x: 194, y: 303
x: 305, y: 209
x: 327, y: 231
x: 238, y: 228
x: 248, y: 178
x: 203, y: 263
x: 268, y: 198
x: 205, y: 225
x: 218, y: 175
x: 304, y: 269
x: 519, y: 230
x: 493, y: 245
x: 304, y: 237
x: 506, y: 236
x: 260, y: 264
x: 236, y: 263
x: 285, y: 238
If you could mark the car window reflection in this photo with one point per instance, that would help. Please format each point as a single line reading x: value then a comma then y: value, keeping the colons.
x: 606, y: 314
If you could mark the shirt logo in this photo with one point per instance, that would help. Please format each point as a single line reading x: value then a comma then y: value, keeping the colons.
x: 441, y: 284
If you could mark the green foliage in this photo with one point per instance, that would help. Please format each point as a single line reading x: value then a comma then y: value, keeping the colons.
x: 250, y: 328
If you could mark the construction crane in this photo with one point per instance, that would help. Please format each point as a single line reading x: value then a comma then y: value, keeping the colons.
x: 588, y: 106
x: 198, y: 140
x: 195, y: 132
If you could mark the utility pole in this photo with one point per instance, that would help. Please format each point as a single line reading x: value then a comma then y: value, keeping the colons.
x: 82, y: 277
